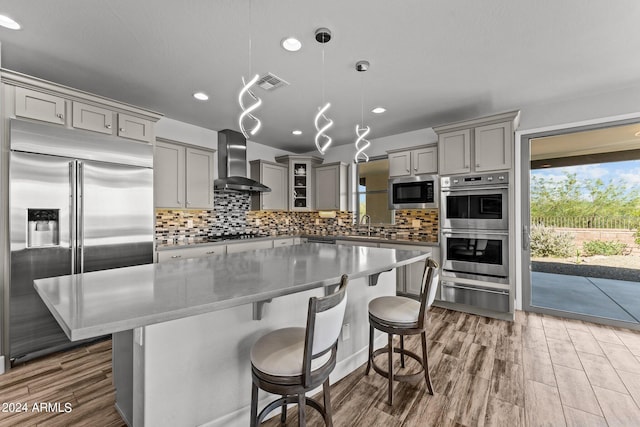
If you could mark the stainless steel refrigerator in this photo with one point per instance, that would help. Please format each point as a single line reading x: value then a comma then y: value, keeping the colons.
x: 79, y: 202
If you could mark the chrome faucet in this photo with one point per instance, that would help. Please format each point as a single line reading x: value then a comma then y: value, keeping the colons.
x: 366, y: 220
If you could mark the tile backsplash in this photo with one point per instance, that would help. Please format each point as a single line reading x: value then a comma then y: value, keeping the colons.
x: 232, y: 215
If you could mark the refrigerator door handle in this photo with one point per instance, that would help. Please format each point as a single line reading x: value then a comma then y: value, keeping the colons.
x: 80, y: 202
x: 72, y: 215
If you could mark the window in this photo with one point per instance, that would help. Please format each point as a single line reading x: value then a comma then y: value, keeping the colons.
x: 373, y: 184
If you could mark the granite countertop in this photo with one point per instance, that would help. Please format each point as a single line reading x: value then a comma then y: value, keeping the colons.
x: 374, y: 239
x: 102, y: 302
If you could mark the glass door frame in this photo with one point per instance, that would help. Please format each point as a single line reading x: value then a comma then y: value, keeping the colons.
x: 523, y: 219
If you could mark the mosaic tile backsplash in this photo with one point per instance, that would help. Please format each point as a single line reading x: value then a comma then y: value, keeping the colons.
x: 232, y: 215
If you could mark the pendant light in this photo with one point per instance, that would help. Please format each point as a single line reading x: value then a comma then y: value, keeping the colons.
x: 247, y: 111
x: 322, y: 140
x: 361, y: 130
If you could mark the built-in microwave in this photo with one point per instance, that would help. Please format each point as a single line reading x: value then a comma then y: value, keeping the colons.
x: 413, y: 192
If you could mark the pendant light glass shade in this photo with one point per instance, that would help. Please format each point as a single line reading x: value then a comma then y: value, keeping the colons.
x: 248, y: 110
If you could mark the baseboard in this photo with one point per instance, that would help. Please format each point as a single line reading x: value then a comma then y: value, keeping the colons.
x: 343, y: 368
x: 122, y: 415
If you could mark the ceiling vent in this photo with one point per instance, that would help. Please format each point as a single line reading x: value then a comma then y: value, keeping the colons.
x: 271, y: 82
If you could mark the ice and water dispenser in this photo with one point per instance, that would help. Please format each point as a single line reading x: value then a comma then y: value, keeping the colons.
x: 42, y: 227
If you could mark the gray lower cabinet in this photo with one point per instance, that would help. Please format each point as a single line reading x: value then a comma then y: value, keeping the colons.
x: 195, y: 252
x: 249, y: 246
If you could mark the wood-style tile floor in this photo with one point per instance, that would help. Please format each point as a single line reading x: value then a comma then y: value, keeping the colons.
x: 539, y: 370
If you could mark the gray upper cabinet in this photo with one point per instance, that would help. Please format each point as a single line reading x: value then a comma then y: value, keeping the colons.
x: 415, y: 161
x: 135, y: 128
x: 493, y: 147
x: 331, y: 186
x: 274, y: 176
x: 455, y: 152
x: 49, y: 102
x: 183, y: 176
x: 92, y: 118
x: 478, y: 145
x: 199, y: 178
x: 301, y: 181
x: 168, y: 175
x: 36, y: 105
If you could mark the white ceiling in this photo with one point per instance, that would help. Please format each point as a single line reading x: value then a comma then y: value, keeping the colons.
x: 432, y: 62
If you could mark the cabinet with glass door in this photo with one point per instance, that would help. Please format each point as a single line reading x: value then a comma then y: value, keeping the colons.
x: 301, y: 197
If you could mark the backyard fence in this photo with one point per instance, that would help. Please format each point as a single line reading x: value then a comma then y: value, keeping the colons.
x: 622, y: 222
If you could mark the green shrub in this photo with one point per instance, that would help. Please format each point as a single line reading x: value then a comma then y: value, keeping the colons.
x: 637, y: 236
x: 603, y: 247
x: 546, y: 242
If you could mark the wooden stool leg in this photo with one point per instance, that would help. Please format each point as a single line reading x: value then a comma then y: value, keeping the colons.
x: 402, y: 351
x: 328, y: 413
x: 283, y: 414
x: 301, y: 404
x: 390, y: 369
x: 254, y: 405
x: 425, y: 360
x: 370, y: 350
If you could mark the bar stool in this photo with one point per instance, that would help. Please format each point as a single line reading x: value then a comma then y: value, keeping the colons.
x: 292, y: 361
x: 396, y: 315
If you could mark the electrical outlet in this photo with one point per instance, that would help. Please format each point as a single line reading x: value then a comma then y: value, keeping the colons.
x: 286, y: 221
x: 416, y: 223
x: 189, y: 223
x: 317, y: 221
x: 258, y: 221
x: 346, y: 331
x: 340, y: 222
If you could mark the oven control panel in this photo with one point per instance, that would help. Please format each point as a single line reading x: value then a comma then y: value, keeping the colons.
x: 499, y: 178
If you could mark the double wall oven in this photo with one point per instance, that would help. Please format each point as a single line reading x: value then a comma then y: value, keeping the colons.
x: 475, y: 239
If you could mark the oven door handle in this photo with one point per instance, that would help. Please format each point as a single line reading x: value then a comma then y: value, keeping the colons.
x: 479, y: 188
x: 470, y: 288
x: 476, y: 233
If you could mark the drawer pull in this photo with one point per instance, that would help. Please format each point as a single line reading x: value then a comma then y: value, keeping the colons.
x: 176, y: 256
x: 211, y: 252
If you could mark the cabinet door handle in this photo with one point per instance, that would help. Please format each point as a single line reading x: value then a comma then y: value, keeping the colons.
x: 176, y: 256
x: 477, y: 165
x: 178, y: 201
x: 122, y: 130
x: 211, y: 252
x: 107, y: 126
x: 60, y: 116
x: 466, y: 166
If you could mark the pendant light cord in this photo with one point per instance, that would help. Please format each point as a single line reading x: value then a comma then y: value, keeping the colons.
x: 322, y: 74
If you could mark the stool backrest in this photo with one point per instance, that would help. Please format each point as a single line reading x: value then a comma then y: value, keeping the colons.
x: 428, y: 288
x: 324, y: 322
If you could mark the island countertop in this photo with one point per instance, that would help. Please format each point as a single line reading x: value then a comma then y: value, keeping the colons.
x: 92, y: 304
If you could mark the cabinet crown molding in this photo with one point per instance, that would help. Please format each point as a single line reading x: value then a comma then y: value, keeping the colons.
x: 510, y: 116
x: 415, y: 147
x: 23, y: 80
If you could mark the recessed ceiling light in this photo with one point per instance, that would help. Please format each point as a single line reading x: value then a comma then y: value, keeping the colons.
x: 297, y: 132
x: 291, y: 44
x: 201, y: 96
x: 9, y: 23
x: 379, y: 110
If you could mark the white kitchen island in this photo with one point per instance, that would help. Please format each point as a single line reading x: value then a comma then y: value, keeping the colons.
x: 182, y: 331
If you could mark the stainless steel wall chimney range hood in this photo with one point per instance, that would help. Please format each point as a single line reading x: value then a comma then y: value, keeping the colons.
x: 232, y: 164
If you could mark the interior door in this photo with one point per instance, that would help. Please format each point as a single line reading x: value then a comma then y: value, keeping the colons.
x: 116, y: 219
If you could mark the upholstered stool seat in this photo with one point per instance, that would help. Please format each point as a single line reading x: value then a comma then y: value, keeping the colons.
x: 397, y: 315
x: 292, y: 361
x: 395, y: 309
x: 281, y: 353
